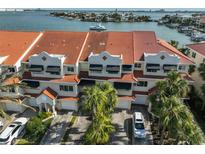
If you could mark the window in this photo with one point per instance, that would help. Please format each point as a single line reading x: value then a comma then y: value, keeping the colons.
x: 36, y: 68
x: 113, y: 69
x: 141, y: 84
x: 193, y: 54
x: 152, y: 67
x: 169, y: 67
x: 96, y: 67
x: 66, y: 88
x: 70, y: 69
x: 32, y: 84
x: 138, y: 65
x: 12, y: 90
x: 14, y: 131
x: 11, y: 69
x: 53, y: 70
x: 127, y: 68
x: 182, y: 67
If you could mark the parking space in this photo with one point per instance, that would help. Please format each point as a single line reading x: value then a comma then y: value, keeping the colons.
x: 149, y: 138
x: 78, y: 129
x: 121, y: 119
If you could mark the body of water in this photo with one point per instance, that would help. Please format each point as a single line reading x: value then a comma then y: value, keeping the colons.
x: 41, y: 21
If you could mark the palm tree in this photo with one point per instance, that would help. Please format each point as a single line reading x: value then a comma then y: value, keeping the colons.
x: 174, y: 116
x: 112, y: 98
x: 176, y: 85
x: 174, y: 43
x: 93, y: 100
x: 99, y: 131
x: 201, y: 70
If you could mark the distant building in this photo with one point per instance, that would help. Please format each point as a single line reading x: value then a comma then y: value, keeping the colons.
x: 197, y: 55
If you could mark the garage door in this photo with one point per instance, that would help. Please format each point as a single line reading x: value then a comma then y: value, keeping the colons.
x: 69, y: 105
x: 124, y: 104
x: 14, y: 107
x: 140, y: 99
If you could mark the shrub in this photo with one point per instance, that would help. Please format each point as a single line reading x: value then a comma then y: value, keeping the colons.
x: 22, y: 142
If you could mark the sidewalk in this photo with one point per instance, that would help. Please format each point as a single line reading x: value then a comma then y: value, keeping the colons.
x: 57, y: 129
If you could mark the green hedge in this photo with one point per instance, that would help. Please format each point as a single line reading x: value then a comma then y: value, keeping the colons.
x: 36, y: 128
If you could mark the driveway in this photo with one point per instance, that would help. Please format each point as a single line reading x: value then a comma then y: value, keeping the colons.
x: 121, y: 120
x: 57, y: 129
x: 149, y: 138
x: 78, y: 130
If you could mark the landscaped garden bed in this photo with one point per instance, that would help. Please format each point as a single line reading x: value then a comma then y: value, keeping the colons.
x: 35, y: 129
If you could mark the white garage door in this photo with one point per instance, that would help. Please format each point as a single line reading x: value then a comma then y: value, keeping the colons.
x: 69, y: 105
x: 140, y: 99
x: 124, y: 104
x: 14, y: 107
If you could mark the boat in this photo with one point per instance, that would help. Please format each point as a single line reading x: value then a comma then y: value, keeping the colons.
x: 198, y: 37
x: 98, y: 27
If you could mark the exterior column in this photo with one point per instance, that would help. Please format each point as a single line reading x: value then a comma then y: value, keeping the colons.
x: 40, y: 107
x: 54, y: 110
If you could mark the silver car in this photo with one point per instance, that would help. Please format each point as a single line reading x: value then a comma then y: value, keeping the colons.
x: 138, y: 125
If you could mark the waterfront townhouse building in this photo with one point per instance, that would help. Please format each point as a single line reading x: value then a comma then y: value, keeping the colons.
x: 196, y: 53
x: 60, y: 64
x: 13, y: 48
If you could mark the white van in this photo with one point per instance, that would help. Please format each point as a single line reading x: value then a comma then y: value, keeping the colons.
x: 138, y: 125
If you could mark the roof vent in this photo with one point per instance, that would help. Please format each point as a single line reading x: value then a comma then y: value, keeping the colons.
x: 102, y: 43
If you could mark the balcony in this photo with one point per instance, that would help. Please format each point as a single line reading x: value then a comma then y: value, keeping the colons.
x: 96, y: 68
x: 36, y: 68
x: 127, y: 68
x: 53, y: 70
x: 113, y: 69
x: 152, y: 67
x: 32, y: 84
x: 122, y: 86
x: 168, y: 67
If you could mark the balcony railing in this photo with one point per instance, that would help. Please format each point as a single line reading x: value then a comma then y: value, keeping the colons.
x: 127, y: 68
x: 114, y: 69
x: 36, y: 68
x: 168, y: 67
x: 95, y: 67
x: 53, y: 70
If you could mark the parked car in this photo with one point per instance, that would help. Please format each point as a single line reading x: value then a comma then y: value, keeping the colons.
x: 1, y: 124
x: 9, y: 135
x: 138, y: 125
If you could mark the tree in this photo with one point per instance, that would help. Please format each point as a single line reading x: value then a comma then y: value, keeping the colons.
x: 201, y: 70
x: 99, y: 131
x: 100, y: 100
x: 93, y: 100
x: 11, y: 83
x: 174, y: 43
x: 174, y: 117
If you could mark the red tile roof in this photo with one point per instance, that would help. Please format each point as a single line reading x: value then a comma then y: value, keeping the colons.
x: 50, y: 93
x: 68, y: 98
x: 116, y: 43
x: 60, y: 42
x: 66, y: 78
x: 198, y: 47
x: 14, y: 44
x: 165, y: 46
x: 11, y: 80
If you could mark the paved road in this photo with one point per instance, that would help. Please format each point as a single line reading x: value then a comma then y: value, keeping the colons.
x: 149, y: 138
x: 120, y: 120
x: 78, y: 130
x: 57, y: 129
